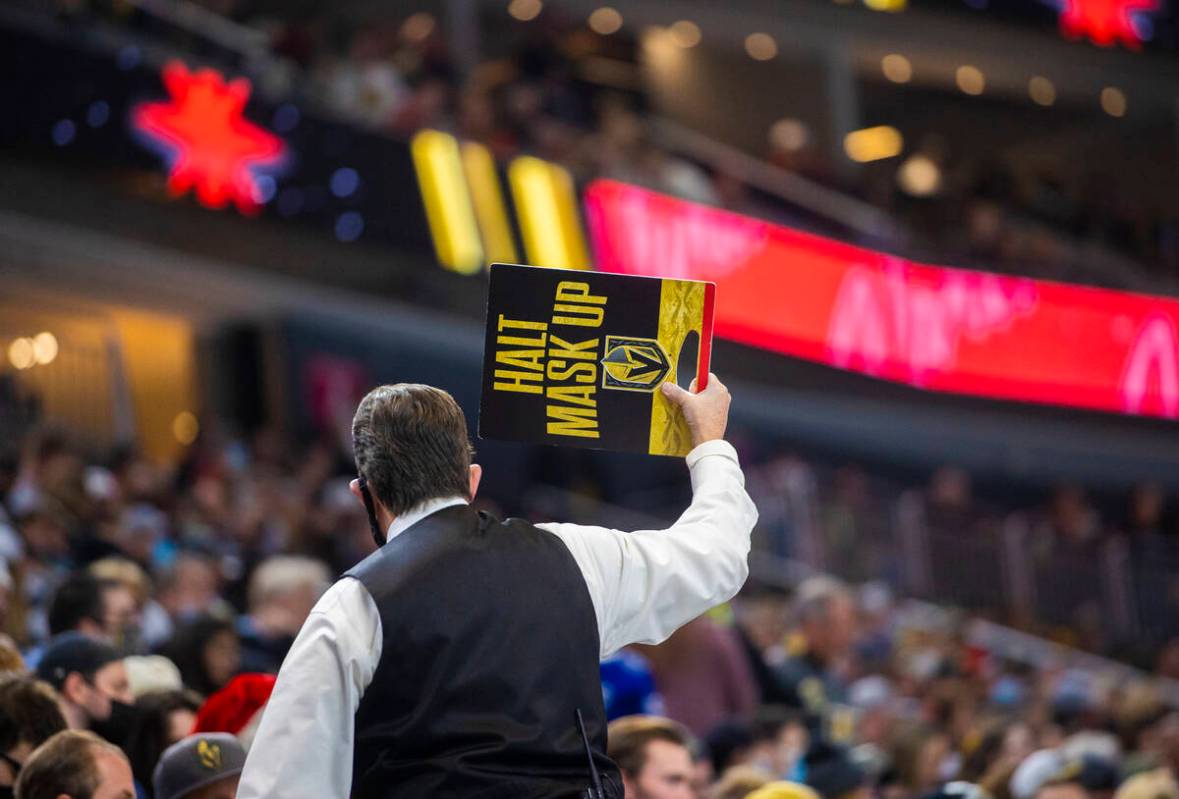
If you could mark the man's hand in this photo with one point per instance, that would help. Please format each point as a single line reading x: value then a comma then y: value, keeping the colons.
x: 706, y: 413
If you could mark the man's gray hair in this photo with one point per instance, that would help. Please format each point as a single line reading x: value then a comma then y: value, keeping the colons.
x: 283, y: 575
x: 814, y: 597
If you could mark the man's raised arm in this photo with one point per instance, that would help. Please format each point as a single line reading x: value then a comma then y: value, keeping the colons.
x: 646, y: 584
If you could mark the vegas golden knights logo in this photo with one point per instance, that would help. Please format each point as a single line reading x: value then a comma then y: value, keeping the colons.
x: 209, y: 755
x: 634, y: 364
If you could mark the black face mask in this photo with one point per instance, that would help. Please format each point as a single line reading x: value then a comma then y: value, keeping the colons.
x: 117, y: 727
x: 371, y: 510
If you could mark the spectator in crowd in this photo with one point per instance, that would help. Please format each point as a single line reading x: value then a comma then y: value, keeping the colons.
x: 833, y: 773
x: 76, y: 765
x: 730, y: 744
x: 702, y: 675
x: 783, y: 790
x: 923, y: 757
x: 628, y: 688
x: 151, y: 625
x: 779, y: 741
x: 761, y: 621
x: 90, y: 677
x: 29, y: 716
x: 282, y: 592
x: 151, y: 674
x: 826, y: 614
x: 190, y: 586
x: 740, y: 782
x: 1154, y: 784
x: 237, y: 708
x: 98, y: 608
x: 165, y: 717
x: 11, y: 662
x: 654, y: 756
x: 207, y: 652
x: 203, y: 766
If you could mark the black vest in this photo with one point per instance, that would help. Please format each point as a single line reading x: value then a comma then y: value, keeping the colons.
x: 490, y: 645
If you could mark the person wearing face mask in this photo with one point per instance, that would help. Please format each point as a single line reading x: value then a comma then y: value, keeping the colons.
x: 90, y: 677
x: 101, y: 608
x: 29, y: 716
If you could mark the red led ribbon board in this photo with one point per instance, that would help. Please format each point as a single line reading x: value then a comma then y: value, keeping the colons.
x: 1105, y: 22
x: 209, y: 145
x: 935, y: 328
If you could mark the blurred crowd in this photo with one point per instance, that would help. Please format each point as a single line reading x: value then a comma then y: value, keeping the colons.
x: 1099, y: 571
x: 152, y: 605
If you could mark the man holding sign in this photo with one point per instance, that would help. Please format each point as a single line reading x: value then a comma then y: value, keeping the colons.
x: 461, y: 659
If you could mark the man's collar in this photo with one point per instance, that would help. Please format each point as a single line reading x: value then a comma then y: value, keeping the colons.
x: 411, y: 517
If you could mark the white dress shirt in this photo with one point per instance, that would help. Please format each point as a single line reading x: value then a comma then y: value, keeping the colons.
x: 644, y: 585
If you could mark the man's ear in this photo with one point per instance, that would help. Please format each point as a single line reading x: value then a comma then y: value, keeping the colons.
x: 476, y: 476
x: 354, y: 487
x: 74, y: 687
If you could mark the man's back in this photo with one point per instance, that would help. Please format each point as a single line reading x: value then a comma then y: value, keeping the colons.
x: 449, y: 637
x: 490, y: 646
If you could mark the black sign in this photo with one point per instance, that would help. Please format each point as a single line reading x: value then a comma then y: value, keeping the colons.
x: 576, y: 358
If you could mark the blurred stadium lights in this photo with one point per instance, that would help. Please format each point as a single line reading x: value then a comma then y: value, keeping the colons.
x: 185, y: 427
x: 349, y: 226
x: 1113, y: 101
x: 605, y: 20
x: 547, y: 210
x: 873, y: 144
x: 890, y: 6
x: 98, y: 113
x: 21, y: 353
x: 761, y: 46
x: 789, y: 134
x: 206, y: 142
x: 1107, y: 22
x: 896, y: 68
x: 418, y: 27
x: 525, y: 10
x: 685, y: 33
x: 488, y: 201
x: 63, y: 132
x: 1042, y: 91
x: 449, y: 211
x: 45, y: 348
x: 344, y: 182
x: 970, y: 79
x: 919, y: 176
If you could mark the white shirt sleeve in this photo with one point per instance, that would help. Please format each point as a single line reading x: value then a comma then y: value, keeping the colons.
x: 303, y: 747
x: 646, y: 584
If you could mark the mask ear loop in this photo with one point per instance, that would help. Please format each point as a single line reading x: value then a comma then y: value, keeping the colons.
x: 378, y: 537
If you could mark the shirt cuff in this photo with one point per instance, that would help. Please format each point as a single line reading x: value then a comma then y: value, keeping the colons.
x: 717, y: 446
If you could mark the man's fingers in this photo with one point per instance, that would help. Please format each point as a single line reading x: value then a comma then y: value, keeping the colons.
x: 674, y: 392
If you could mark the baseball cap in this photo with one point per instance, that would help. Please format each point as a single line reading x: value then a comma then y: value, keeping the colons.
x: 1037, y: 769
x: 197, y: 761
x: 832, y: 770
x: 73, y: 652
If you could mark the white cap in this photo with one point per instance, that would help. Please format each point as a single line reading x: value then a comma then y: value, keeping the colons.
x: 1034, y: 771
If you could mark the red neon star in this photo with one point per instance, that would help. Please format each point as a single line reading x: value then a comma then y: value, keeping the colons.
x: 209, y: 145
x: 1104, y: 22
